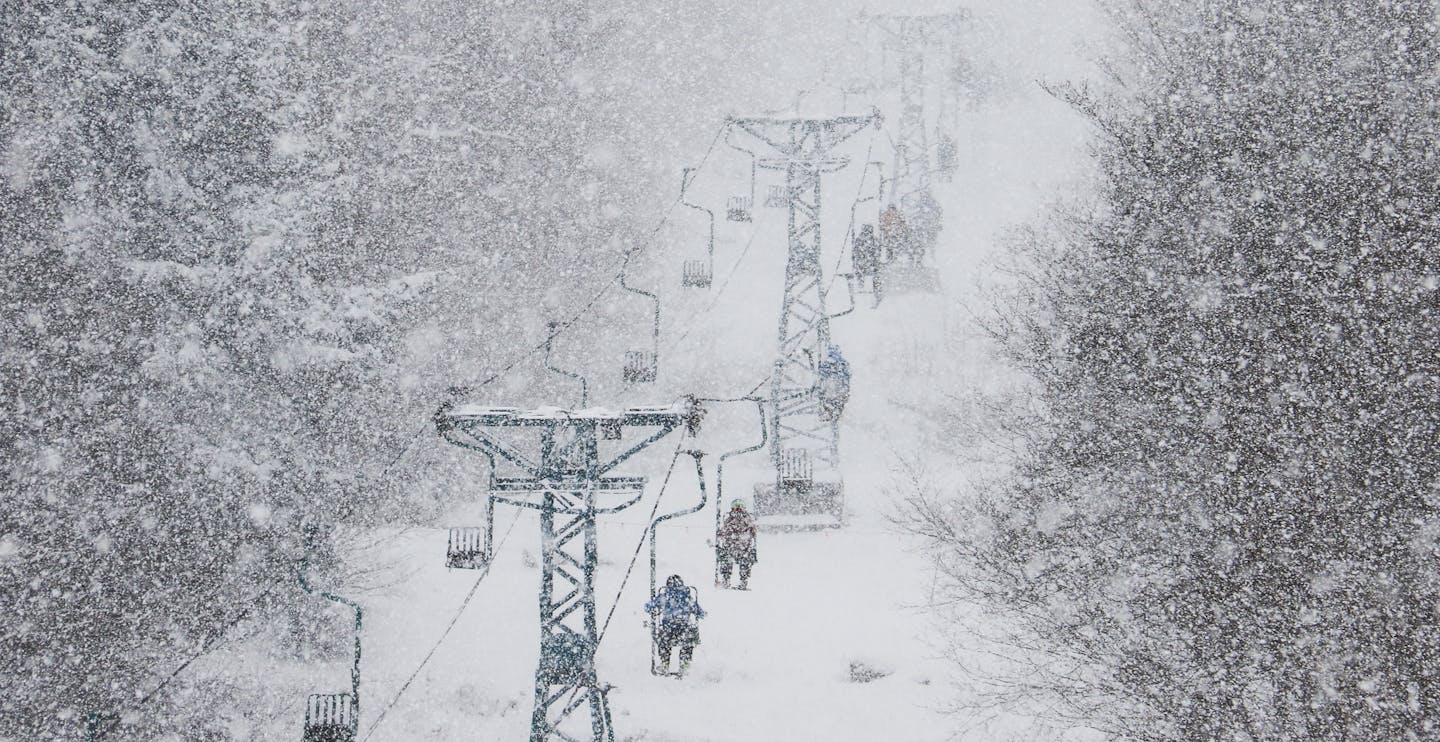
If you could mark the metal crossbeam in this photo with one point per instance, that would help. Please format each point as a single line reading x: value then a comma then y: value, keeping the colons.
x: 806, y: 149
x: 563, y: 484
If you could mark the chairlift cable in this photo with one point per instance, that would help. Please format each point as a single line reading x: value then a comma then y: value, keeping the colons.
x: 679, y: 447
x: 455, y: 619
x: 205, y: 648
x: 689, y: 323
x: 410, y: 444
x: 850, y: 230
x: 689, y: 326
x: 560, y: 327
x: 715, y: 298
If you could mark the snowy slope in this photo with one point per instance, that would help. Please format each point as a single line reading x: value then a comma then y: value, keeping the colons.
x: 776, y: 662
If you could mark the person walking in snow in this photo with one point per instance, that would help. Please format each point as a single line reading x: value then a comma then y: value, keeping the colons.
x: 735, y: 545
x: 675, y: 615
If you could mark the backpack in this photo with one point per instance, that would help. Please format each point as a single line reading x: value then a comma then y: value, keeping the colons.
x: 676, y: 605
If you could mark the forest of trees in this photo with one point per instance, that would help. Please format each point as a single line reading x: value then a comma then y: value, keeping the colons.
x: 240, y: 242
x: 1222, y: 519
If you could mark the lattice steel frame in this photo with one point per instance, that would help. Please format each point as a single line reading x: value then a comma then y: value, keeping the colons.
x: 911, y: 37
x: 563, y: 485
x: 804, y: 146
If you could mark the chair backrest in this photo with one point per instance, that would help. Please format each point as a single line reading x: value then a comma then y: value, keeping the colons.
x: 330, y: 717
x: 640, y: 366
x: 696, y: 273
x: 796, y: 466
x: 776, y: 197
x: 737, y: 209
x: 465, y: 548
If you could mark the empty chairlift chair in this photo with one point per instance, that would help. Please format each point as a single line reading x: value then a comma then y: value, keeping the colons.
x: 640, y: 366
x: 800, y: 492
x: 737, y: 209
x: 777, y: 198
x: 797, y: 472
x: 696, y: 274
x: 331, y: 718
x: 465, y: 549
x: 741, y: 208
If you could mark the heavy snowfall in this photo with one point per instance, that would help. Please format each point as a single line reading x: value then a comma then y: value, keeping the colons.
x: 645, y: 371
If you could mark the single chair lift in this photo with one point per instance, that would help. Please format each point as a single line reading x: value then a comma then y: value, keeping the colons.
x: 740, y: 208
x: 655, y: 624
x: 737, y: 208
x: 469, y: 547
x: 642, y: 366
x: 720, y: 473
x: 332, y: 717
x: 776, y: 198
x: 854, y: 279
x: 698, y: 273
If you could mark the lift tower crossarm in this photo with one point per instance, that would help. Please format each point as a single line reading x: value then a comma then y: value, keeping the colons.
x: 805, y: 149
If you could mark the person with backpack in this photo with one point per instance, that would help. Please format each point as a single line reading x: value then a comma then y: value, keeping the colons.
x: 832, y: 384
x: 735, y: 545
x: 675, y: 615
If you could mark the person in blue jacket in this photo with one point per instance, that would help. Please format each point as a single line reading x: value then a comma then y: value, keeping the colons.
x: 675, y: 614
x: 833, y: 385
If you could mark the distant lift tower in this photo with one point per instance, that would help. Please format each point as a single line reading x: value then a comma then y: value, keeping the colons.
x: 910, y: 37
x: 805, y: 446
x: 568, y: 486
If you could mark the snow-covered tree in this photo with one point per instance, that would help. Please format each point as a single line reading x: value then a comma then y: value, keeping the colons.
x: 226, y: 231
x: 176, y: 369
x: 1223, y: 524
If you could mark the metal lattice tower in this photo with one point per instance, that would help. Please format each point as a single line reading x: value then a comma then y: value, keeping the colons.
x: 803, y: 442
x: 911, y: 37
x: 568, y: 486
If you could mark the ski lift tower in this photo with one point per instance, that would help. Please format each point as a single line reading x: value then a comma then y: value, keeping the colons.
x: 910, y: 37
x: 805, y: 446
x: 566, y: 483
